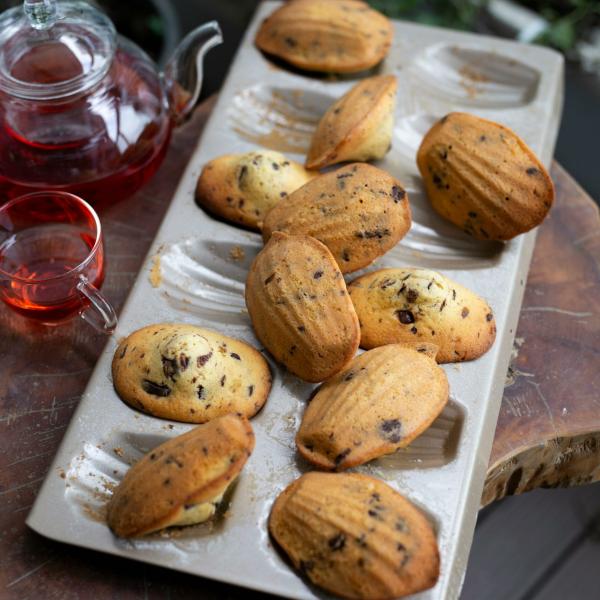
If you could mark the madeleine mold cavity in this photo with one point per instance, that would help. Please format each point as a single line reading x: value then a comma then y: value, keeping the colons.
x: 475, y: 77
x: 196, y: 274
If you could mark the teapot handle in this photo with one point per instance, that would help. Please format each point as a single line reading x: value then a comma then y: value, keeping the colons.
x: 183, y: 74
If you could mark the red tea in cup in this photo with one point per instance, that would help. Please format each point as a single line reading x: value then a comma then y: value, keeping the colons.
x: 52, y: 259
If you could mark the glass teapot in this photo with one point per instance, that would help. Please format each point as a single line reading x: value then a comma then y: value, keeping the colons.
x: 82, y: 109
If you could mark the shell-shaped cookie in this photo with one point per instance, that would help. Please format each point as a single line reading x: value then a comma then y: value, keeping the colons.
x: 182, y: 481
x: 355, y: 536
x: 242, y: 188
x: 359, y: 212
x: 411, y: 306
x: 346, y: 36
x: 300, y: 308
x: 484, y: 178
x: 358, y: 126
x: 378, y: 403
x: 189, y: 373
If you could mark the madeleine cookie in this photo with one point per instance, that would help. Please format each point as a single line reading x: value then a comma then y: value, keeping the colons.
x: 182, y: 481
x: 359, y: 212
x: 358, y: 126
x: 300, y: 308
x: 345, y: 36
x: 242, y: 188
x: 378, y: 403
x: 355, y: 536
x: 189, y: 374
x: 484, y: 178
x: 411, y: 306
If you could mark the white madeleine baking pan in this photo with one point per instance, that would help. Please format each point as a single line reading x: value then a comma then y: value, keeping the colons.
x: 199, y: 277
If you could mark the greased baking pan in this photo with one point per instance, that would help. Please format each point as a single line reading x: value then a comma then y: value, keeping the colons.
x: 195, y: 273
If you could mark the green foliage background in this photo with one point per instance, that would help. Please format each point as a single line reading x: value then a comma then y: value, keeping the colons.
x: 568, y: 20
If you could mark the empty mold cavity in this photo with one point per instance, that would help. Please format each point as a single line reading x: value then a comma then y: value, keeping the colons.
x: 207, y: 277
x: 469, y: 75
x: 408, y: 134
x: 281, y: 119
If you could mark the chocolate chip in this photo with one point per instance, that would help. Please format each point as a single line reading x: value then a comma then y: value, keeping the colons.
x: 200, y: 392
x: 318, y: 274
x: 453, y: 294
x: 269, y: 278
x: 167, y: 481
x: 386, y: 283
x: 291, y: 42
x: 413, y: 330
x: 437, y: 180
x: 301, y: 328
x: 390, y: 430
x: 184, y: 361
x: 532, y: 171
x: 223, y: 380
x: 400, y: 525
x: 169, y: 366
x: 235, y: 355
x: 156, y: 389
x: 346, y: 255
x: 362, y: 540
x: 202, y: 360
x: 242, y: 174
x: 349, y: 376
x: 489, y: 317
x: 464, y: 313
x: 443, y: 305
x: 153, y: 456
x: 250, y: 390
x: 123, y: 351
x: 411, y: 295
x: 400, y: 547
x: 343, y: 175
x: 337, y: 542
x: 405, y: 317
x: 378, y: 233
x: 275, y: 166
x: 472, y: 214
x: 375, y: 497
x: 341, y: 456
x: 398, y: 194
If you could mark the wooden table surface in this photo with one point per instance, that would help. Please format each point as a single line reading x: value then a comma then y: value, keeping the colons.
x: 548, y: 431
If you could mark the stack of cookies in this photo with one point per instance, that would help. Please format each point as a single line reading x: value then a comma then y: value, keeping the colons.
x: 348, y: 533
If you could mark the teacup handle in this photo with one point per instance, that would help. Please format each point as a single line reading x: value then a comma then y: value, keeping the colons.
x: 100, y: 314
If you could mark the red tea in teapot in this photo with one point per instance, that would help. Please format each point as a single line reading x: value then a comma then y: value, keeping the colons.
x: 102, y: 146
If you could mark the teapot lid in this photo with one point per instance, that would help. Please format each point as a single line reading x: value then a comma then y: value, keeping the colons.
x: 49, y: 50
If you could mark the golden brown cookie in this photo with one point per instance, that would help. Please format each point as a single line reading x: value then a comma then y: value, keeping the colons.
x: 182, y: 481
x: 355, y: 536
x: 300, y: 308
x: 189, y: 373
x: 345, y: 36
x: 410, y: 306
x: 359, y: 212
x: 378, y: 403
x: 242, y: 188
x: 484, y: 178
x: 358, y: 126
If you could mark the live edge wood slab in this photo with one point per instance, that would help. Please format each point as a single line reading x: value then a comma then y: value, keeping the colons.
x: 548, y: 432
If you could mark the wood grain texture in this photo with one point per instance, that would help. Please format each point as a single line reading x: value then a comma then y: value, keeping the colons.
x: 43, y: 373
x: 548, y: 431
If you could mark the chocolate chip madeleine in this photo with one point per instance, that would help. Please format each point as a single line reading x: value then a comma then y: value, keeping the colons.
x: 182, y: 481
x: 378, y: 403
x: 358, y: 126
x: 189, y: 373
x: 412, y: 306
x: 483, y: 178
x: 355, y: 536
x: 300, y: 308
x: 345, y: 36
x: 359, y: 212
x: 242, y: 188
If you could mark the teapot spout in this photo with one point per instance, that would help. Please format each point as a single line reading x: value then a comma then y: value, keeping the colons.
x: 183, y: 74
